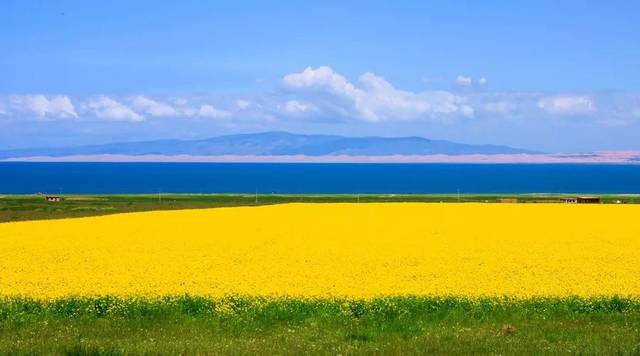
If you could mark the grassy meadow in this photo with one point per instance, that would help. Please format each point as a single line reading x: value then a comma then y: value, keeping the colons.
x: 393, y: 276
x: 34, y: 207
x: 394, y: 325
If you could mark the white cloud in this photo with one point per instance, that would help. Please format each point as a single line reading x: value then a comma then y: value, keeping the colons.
x: 59, y: 106
x: 374, y: 99
x: 323, y: 78
x: 106, y: 108
x: 151, y: 107
x: 210, y: 111
x: 327, y: 96
x: 464, y: 81
x: 243, y: 104
x: 187, y: 111
x: 182, y: 108
x: 567, y: 104
x: 298, y: 107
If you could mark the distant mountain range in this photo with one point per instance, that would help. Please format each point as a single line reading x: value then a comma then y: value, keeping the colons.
x: 275, y: 144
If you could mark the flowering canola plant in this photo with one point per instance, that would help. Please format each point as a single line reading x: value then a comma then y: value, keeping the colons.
x: 330, y: 250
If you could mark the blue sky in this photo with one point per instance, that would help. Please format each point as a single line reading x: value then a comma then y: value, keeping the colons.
x: 545, y: 75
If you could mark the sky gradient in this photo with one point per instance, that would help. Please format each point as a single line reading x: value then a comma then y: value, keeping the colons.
x: 542, y: 75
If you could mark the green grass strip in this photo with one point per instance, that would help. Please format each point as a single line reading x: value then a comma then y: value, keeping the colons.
x: 257, y: 308
x: 249, y: 325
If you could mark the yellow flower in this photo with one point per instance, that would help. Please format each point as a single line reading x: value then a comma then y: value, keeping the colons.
x: 330, y: 250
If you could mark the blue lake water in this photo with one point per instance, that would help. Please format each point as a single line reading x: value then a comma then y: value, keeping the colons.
x: 103, y: 178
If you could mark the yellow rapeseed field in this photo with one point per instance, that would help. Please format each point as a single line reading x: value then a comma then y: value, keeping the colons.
x: 330, y: 250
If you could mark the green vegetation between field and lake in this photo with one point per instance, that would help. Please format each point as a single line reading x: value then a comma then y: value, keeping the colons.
x: 35, y: 207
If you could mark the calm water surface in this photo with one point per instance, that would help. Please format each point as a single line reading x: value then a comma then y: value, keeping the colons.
x: 102, y: 178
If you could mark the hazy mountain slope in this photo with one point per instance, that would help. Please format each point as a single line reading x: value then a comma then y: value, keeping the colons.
x: 276, y: 144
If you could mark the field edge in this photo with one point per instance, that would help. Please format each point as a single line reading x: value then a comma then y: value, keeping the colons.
x: 185, y: 324
x: 241, y: 306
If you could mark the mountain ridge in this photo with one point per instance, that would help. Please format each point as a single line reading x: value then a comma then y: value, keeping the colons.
x: 276, y: 143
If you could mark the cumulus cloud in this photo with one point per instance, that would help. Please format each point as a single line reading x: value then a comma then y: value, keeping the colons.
x: 209, y: 111
x: 374, y: 99
x: 298, y: 107
x: 129, y: 108
x: 182, y: 107
x: 59, y: 106
x: 465, y: 81
x: 322, y: 78
x: 567, y: 104
x: 151, y: 107
x: 326, y: 96
x: 107, y: 108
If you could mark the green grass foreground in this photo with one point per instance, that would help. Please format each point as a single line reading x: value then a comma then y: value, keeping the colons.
x: 395, y: 325
x: 35, y: 207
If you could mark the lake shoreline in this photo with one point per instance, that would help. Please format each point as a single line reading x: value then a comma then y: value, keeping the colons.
x: 620, y: 157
